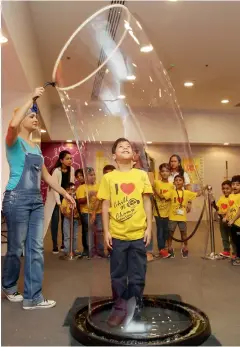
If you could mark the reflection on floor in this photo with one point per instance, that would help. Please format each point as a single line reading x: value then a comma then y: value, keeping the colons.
x: 213, y: 286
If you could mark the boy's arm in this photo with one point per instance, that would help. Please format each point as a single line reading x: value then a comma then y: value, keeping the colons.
x: 105, y: 220
x: 148, y: 210
x: 96, y: 207
x: 237, y: 215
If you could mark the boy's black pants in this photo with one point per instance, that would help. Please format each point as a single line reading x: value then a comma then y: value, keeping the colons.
x: 128, y: 263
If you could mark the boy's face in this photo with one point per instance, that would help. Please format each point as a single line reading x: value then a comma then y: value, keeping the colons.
x: 236, y: 187
x: 226, y: 189
x: 165, y: 173
x: 91, y: 177
x: 179, y: 183
x: 123, y: 152
x: 71, y: 190
x: 80, y: 178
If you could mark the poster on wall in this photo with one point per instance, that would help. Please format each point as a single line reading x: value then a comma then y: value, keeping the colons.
x: 195, y: 169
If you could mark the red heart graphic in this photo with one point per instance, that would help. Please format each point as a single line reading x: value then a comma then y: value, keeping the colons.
x: 165, y: 191
x: 127, y: 188
x: 224, y: 206
x: 180, y: 200
x: 231, y: 202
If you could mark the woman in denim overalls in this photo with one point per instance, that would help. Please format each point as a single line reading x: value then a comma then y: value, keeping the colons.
x: 23, y: 209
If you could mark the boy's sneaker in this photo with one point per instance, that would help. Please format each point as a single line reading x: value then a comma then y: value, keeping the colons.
x: 55, y: 250
x: 171, y: 252
x: 164, y: 254
x: 236, y: 261
x: 62, y: 248
x: 184, y: 252
x: 44, y: 304
x: 150, y: 257
x: 225, y: 254
x: 15, y: 297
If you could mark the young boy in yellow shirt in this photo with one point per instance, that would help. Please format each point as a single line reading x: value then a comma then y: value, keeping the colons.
x: 127, y: 224
x: 162, y: 193
x: 66, y: 211
x: 233, y: 216
x: 86, y: 196
x: 178, y: 213
x: 222, y: 207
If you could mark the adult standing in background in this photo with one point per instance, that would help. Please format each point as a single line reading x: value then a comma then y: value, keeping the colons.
x: 23, y: 208
x: 63, y: 174
x: 175, y: 163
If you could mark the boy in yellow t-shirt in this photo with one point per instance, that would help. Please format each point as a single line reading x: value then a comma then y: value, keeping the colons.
x: 222, y: 207
x: 86, y: 196
x: 127, y: 223
x: 162, y: 193
x: 178, y: 213
x: 233, y: 216
x: 66, y: 211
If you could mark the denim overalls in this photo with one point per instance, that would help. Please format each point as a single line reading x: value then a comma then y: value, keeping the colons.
x: 24, y: 212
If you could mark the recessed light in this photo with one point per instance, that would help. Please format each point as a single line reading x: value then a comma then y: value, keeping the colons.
x: 131, y: 77
x: 121, y: 96
x: 3, y: 39
x: 43, y: 131
x: 149, y: 142
x: 134, y: 64
x: 86, y: 103
x: 188, y: 84
x: 225, y: 101
x: 226, y: 144
x: 69, y: 141
x: 146, y: 49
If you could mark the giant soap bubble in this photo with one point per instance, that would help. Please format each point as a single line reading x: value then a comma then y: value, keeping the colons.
x: 112, y: 84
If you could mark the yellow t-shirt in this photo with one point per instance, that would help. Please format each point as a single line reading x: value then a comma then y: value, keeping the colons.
x: 163, y: 204
x: 82, y: 192
x: 222, y: 205
x: 233, y: 206
x: 66, y: 204
x: 124, y: 190
x: 179, y: 201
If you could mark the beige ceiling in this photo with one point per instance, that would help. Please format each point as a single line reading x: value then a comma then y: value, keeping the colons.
x: 200, y: 38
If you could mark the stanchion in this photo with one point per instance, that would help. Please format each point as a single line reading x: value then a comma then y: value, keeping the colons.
x: 70, y: 255
x: 212, y: 255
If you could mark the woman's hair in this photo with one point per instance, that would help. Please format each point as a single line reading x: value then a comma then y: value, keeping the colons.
x: 180, y: 168
x: 58, y: 163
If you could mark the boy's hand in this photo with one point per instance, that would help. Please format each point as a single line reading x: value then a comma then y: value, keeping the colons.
x: 147, y: 237
x: 230, y: 223
x: 108, y: 240
x: 224, y: 220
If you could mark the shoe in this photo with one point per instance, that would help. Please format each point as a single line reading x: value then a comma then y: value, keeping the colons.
x: 236, y: 261
x: 171, y: 252
x: 15, y: 297
x: 164, y: 254
x: 116, y: 318
x: 233, y: 256
x: 62, y: 248
x: 44, y: 304
x: 150, y: 257
x: 225, y: 254
x: 184, y: 252
x: 55, y: 250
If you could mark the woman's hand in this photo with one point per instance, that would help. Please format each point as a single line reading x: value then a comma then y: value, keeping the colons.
x: 38, y: 92
x: 70, y: 199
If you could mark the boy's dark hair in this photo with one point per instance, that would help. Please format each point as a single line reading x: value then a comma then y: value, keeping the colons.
x: 70, y: 185
x: 78, y: 171
x: 121, y: 139
x: 236, y: 178
x: 108, y: 168
x: 179, y: 176
x: 227, y: 183
x: 164, y: 166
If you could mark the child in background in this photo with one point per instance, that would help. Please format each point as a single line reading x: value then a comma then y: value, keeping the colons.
x: 233, y: 216
x: 222, y: 207
x: 162, y: 193
x: 87, y: 204
x: 178, y: 213
x: 79, y: 177
x: 127, y: 222
x: 66, y: 211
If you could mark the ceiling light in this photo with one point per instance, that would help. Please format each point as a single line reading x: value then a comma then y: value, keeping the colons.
x: 86, y: 103
x: 225, y: 101
x: 134, y: 65
x: 146, y: 49
x: 3, y: 39
x: 131, y: 77
x: 188, y: 84
x: 149, y: 142
x: 43, y: 131
x: 100, y: 109
x: 226, y: 144
x: 121, y: 96
x: 69, y: 141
